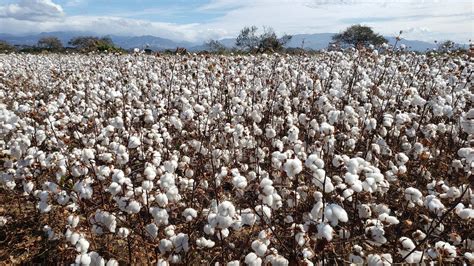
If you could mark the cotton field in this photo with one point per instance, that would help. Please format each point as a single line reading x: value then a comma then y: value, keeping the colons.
x: 362, y: 157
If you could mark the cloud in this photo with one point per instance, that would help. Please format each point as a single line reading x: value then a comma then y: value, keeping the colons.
x: 32, y: 10
x: 224, y: 18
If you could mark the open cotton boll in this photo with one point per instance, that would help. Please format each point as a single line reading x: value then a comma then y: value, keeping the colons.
x: 134, y: 142
x: 189, y: 214
x: 325, y: 231
x: 82, y: 245
x: 384, y: 217
x: 123, y: 232
x: 73, y: 221
x: 335, y: 213
x: 434, y: 204
x: 252, y: 259
x: 83, y: 259
x: 259, y: 248
x: 150, y: 173
x: 414, y: 195
x: 293, y: 167
x: 180, y: 242
x: 165, y: 246
x: 205, y: 243
x: 379, y: 260
x: 239, y: 181
x: 160, y: 215
x: 133, y: 207
x: 152, y: 230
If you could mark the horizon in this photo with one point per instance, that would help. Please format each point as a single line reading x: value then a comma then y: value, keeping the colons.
x: 201, y: 20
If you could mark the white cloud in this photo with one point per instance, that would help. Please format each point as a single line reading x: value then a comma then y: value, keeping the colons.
x: 453, y: 21
x: 32, y: 10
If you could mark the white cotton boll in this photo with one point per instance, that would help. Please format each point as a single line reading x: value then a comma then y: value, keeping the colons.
x: 205, y: 243
x: 434, y: 204
x: 248, y: 217
x: 82, y: 245
x: 165, y: 246
x: 114, y: 188
x: 325, y: 231
x: 407, y: 243
x: 73, y: 221
x: 160, y: 215
x: 259, y: 248
x: 364, y: 211
x: 189, y: 214
x: 384, y: 217
x: 466, y: 214
x: 123, y: 232
x: 270, y: 133
x: 239, y: 181
x: 233, y: 263
x: 28, y: 187
x: 162, y: 262
x: 162, y: 200
x: 293, y: 167
x: 335, y: 213
x: 150, y: 173
x: 83, y: 259
x: 133, y: 207
x: 401, y: 158
x: 134, y: 142
x: 414, y: 195
x: 180, y: 242
x: 253, y: 260
x: 152, y: 230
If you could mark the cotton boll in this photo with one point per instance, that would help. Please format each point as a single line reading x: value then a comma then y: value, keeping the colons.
x: 83, y: 259
x: 293, y: 167
x: 73, y: 221
x: 252, y: 259
x: 133, y: 207
x: 205, y: 243
x: 123, y: 232
x: 82, y: 245
x: 239, y: 181
x: 189, y: 214
x: 152, y: 230
x: 325, y: 231
x: 150, y: 173
x: 134, y: 142
x: 162, y: 200
x: 165, y: 246
x: 160, y: 215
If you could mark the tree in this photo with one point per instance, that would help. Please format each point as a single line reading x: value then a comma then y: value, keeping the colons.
x: 248, y: 38
x: 358, y: 35
x: 267, y: 41
x: 6, y: 47
x: 91, y: 43
x: 215, y: 46
x: 447, y: 46
x: 50, y: 43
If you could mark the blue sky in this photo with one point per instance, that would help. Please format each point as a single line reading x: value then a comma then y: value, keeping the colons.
x: 198, y: 20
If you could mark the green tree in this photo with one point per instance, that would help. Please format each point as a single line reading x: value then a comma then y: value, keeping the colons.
x: 358, y: 35
x: 51, y: 43
x: 6, y: 47
x: 268, y: 41
x: 215, y: 46
x: 91, y: 43
x: 248, y: 39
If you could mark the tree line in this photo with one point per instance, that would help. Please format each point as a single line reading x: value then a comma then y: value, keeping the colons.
x: 248, y: 41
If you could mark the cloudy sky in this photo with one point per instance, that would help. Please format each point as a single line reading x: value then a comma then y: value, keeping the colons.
x: 197, y: 20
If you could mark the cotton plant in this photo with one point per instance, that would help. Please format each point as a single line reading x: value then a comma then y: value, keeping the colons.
x: 190, y: 152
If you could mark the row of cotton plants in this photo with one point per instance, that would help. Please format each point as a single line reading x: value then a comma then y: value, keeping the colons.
x: 355, y: 156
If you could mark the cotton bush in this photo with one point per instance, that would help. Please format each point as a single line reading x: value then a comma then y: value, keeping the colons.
x: 356, y: 156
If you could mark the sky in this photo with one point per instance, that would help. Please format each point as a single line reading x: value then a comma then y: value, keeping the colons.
x: 201, y: 20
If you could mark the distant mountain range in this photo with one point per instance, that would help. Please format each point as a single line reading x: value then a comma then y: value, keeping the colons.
x: 315, y: 41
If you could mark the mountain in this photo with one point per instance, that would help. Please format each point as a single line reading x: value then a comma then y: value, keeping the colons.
x: 315, y: 41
